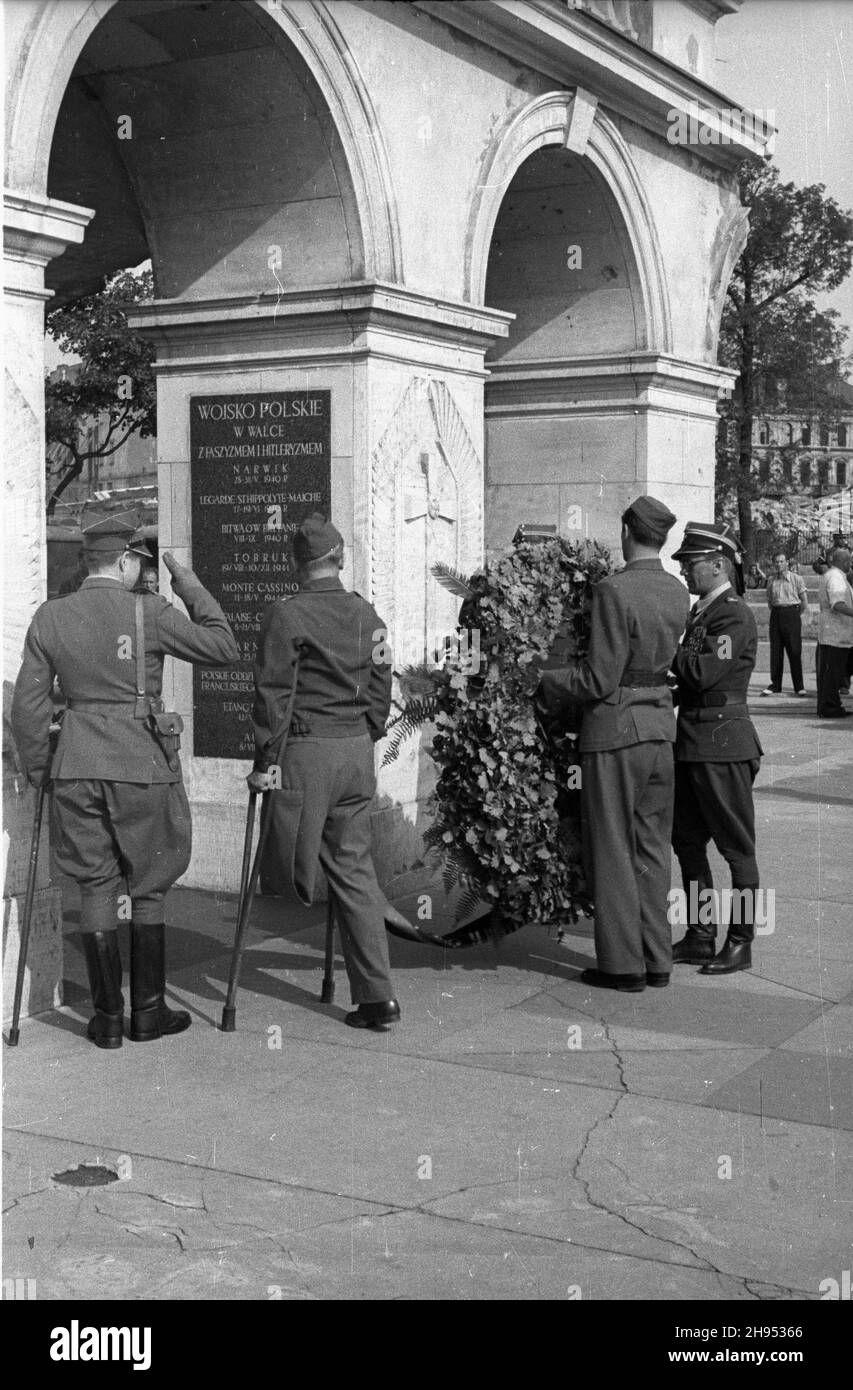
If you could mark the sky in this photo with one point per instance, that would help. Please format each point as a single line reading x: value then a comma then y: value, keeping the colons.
x: 795, y: 57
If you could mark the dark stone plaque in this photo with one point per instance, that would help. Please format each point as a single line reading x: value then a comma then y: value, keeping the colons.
x: 259, y: 464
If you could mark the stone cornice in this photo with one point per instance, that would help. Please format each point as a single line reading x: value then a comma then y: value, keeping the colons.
x: 642, y: 369
x: 715, y: 9
x: 36, y: 229
x: 575, y: 48
x: 258, y: 319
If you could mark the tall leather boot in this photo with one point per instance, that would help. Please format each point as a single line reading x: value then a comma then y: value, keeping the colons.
x: 103, y: 966
x: 696, y: 946
x: 150, y: 1018
x: 699, y: 941
x: 737, y: 951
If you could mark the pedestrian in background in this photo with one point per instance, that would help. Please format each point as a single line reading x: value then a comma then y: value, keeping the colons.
x: 835, y: 635
x: 787, y: 599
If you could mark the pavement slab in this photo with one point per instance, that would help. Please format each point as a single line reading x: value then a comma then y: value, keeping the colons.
x: 829, y: 1036
x: 802, y: 1086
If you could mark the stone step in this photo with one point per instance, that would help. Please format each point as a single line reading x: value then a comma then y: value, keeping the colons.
x: 809, y: 622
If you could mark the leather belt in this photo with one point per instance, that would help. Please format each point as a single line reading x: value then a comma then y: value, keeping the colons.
x: 100, y: 704
x: 713, y: 700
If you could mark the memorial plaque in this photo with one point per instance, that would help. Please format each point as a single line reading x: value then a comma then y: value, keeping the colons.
x: 259, y: 465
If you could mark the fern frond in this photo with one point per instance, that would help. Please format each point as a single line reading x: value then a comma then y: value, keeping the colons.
x: 469, y: 900
x: 452, y: 579
x: 451, y: 873
x: 418, y: 679
x: 416, y: 714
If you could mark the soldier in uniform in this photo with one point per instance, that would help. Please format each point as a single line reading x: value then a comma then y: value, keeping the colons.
x: 322, y: 811
x: 717, y: 752
x: 626, y: 738
x: 119, y: 812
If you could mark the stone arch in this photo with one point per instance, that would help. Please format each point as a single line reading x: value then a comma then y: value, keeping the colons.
x: 729, y: 243
x: 60, y: 31
x: 552, y: 120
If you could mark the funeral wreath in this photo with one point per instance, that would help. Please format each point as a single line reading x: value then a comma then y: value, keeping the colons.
x: 506, y: 805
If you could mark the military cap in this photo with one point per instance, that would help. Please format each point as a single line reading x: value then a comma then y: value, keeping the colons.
x: 653, y: 515
x: 708, y: 538
x: 102, y: 531
x: 315, y: 539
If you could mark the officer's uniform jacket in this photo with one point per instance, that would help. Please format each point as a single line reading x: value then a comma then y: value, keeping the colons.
x: 88, y: 640
x: 637, y: 618
x: 713, y: 667
x: 344, y: 680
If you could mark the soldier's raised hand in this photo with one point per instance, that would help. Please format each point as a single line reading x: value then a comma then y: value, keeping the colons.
x: 178, y: 571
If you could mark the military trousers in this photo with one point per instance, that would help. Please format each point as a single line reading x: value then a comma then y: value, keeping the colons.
x: 713, y: 801
x: 321, y: 819
x: 626, y: 801
x: 832, y: 663
x: 112, y: 837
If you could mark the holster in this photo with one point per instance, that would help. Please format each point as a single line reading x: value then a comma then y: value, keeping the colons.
x: 166, y: 725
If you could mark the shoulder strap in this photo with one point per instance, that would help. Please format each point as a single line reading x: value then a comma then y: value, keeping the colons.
x: 142, y: 708
x: 140, y: 646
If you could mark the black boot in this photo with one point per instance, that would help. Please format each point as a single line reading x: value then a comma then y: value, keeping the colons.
x: 735, y: 955
x: 103, y: 965
x: 149, y: 1016
x: 378, y: 1017
x: 695, y: 947
x: 737, y: 951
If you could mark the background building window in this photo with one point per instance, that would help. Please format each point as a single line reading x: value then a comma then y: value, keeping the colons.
x: 823, y: 472
x: 762, y: 434
x: 790, y: 434
x: 788, y: 469
x: 841, y: 472
x: 842, y: 436
x: 805, y: 472
x: 806, y: 436
x: 824, y: 434
x: 764, y: 471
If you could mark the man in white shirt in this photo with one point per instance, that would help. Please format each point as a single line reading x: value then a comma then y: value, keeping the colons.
x: 835, y: 634
x: 787, y: 599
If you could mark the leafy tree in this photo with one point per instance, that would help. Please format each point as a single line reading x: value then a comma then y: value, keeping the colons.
x: 114, y: 379
x: 800, y: 243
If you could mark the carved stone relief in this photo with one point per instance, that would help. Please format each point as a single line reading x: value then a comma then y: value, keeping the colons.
x: 427, y: 505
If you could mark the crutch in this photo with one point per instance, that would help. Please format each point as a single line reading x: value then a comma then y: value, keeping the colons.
x: 249, y: 880
x: 248, y: 884
x: 327, y: 993
x: 14, y: 1030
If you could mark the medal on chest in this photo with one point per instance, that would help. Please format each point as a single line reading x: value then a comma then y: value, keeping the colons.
x: 694, y: 640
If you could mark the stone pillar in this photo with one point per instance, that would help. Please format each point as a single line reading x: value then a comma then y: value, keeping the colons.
x: 574, y: 443
x: 35, y: 230
x: 405, y: 372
